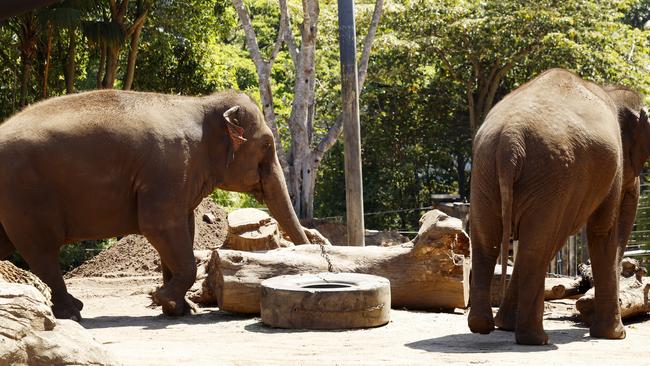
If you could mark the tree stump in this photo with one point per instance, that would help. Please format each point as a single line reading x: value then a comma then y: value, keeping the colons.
x: 251, y: 229
x: 429, y: 273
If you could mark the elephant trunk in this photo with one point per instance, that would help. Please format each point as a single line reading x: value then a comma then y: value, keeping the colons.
x: 277, y: 200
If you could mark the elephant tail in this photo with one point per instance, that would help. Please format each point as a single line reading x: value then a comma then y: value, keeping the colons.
x: 506, y: 181
x: 506, y: 223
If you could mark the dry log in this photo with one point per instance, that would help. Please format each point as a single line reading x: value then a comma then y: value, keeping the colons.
x: 554, y: 287
x: 251, y: 229
x: 430, y: 273
x: 633, y: 297
x: 561, y: 287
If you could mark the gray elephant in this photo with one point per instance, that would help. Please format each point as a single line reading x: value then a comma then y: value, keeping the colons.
x: 110, y: 163
x: 555, y: 154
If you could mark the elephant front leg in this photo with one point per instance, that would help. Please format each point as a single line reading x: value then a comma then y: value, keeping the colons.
x: 606, y: 322
x: 166, y: 272
x: 175, y: 251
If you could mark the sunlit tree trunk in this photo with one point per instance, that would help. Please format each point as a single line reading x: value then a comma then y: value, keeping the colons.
x: 301, y: 165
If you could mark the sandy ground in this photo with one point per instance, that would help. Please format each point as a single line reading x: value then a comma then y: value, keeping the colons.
x: 117, y: 313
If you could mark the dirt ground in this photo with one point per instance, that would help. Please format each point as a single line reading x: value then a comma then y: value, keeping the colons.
x: 117, y: 313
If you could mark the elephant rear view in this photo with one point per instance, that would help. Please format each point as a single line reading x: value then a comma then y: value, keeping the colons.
x: 555, y: 154
x: 110, y: 163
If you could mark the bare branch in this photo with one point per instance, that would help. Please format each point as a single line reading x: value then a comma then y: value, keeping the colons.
x: 367, y: 42
x: 495, y: 78
x: 281, y: 32
x: 251, y: 38
x: 137, y: 23
x: 288, y: 34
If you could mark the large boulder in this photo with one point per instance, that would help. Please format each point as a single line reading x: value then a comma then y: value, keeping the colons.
x: 29, y: 333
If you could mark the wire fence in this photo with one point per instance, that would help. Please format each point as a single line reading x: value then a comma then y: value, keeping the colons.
x: 575, y: 250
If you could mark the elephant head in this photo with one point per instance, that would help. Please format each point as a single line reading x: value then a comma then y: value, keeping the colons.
x: 252, y: 165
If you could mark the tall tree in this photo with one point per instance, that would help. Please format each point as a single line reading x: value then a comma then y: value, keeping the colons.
x: 304, y: 157
x: 119, y: 14
x: 479, y: 43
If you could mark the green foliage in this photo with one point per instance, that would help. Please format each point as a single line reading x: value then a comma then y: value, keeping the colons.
x: 71, y: 255
x: 233, y: 200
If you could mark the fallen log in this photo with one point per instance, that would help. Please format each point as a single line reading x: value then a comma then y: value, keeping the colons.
x: 633, y: 296
x: 561, y: 287
x: 554, y: 287
x: 429, y: 273
x: 633, y: 290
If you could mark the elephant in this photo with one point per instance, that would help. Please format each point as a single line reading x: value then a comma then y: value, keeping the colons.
x: 109, y: 163
x: 552, y: 156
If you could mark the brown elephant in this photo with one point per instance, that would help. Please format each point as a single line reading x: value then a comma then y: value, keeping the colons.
x: 110, y: 163
x: 555, y: 154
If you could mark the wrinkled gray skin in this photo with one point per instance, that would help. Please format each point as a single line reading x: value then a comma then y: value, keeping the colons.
x: 556, y: 154
x: 111, y: 163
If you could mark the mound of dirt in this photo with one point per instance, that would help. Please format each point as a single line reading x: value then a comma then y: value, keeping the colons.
x: 134, y: 256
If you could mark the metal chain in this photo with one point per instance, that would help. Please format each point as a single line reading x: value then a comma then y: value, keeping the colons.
x: 323, y: 253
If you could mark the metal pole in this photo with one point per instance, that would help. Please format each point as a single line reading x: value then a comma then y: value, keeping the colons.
x: 352, y: 135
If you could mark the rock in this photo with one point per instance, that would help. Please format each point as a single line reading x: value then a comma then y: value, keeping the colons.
x: 23, y: 309
x: 68, y: 344
x: 29, y: 333
x: 10, y: 273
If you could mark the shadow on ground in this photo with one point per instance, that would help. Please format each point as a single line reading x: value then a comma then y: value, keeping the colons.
x: 160, y: 321
x: 259, y: 327
x: 498, y: 341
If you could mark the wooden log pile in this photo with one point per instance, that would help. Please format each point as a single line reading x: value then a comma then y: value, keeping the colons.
x: 429, y: 273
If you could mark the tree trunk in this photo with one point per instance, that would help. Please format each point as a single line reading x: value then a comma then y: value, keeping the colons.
x: 102, y: 63
x: 133, y: 54
x: 135, y: 30
x: 112, y: 56
x: 46, y: 66
x: 24, y: 81
x: 70, y: 63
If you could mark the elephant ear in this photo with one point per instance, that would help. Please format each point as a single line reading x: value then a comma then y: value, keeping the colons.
x: 635, y: 134
x: 235, y: 132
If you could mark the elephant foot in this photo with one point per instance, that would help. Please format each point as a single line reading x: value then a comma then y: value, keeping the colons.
x: 506, y: 321
x: 76, y: 302
x: 66, y: 311
x: 531, y: 338
x: 609, y: 330
x: 173, y: 307
x: 481, y: 323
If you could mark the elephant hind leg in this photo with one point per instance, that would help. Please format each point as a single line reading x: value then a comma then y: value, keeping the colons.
x: 41, y: 252
x: 538, y: 238
x: 603, y: 252
x: 506, y: 318
x: 486, y: 238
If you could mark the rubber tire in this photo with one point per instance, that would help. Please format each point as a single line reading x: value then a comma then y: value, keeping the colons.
x: 307, y: 301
